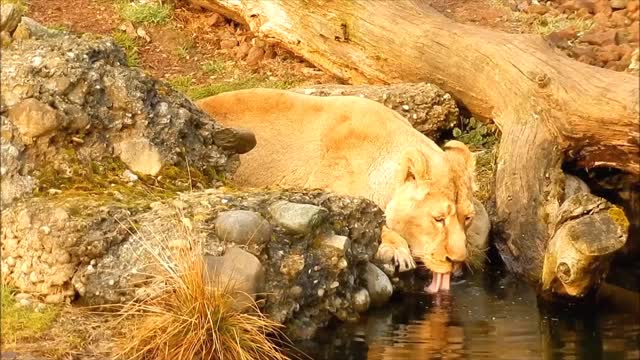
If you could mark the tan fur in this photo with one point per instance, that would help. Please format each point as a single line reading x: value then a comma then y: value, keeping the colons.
x: 359, y: 147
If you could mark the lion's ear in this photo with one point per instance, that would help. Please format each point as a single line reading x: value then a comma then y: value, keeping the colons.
x: 414, y: 166
x: 460, y: 152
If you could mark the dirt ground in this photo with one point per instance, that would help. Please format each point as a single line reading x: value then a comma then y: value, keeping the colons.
x: 198, y: 47
x: 602, y: 33
x: 199, y: 50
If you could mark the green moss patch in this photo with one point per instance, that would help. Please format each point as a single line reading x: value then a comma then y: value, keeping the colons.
x: 70, y: 179
x: 22, y: 323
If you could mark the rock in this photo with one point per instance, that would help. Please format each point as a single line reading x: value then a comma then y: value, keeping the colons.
x: 21, y: 296
x: 243, y: 50
x: 378, y: 285
x: 139, y: 155
x: 5, y: 39
x: 298, y: 218
x: 618, y: 4
x: 238, y: 269
x: 522, y: 6
x: 601, y: 19
x: 269, y: 53
x: 242, y: 227
x: 361, y: 300
x: 583, y: 14
x: 240, y: 141
x: 10, y: 15
x: 619, y: 19
x: 255, y: 55
x: 24, y: 303
x: 34, y: 119
x: 569, y: 6
x: 560, y: 39
x: 54, y: 299
x: 130, y: 176
x: 34, y: 28
x: 215, y: 19
x: 29, y: 28
x: 537, y: 9
x: 339, y: 242
x: 292, y: 265
x: 599, y: 38
x: 228, y: 43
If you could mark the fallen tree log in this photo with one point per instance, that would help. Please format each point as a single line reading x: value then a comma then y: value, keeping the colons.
x: 550, y: 109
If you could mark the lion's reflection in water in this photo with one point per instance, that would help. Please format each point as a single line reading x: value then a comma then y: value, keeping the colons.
x: 487, y: 317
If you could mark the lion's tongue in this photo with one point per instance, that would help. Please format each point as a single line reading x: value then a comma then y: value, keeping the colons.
x: 439, y: 281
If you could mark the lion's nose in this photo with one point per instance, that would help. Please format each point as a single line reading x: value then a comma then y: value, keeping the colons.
x: 457, y: 256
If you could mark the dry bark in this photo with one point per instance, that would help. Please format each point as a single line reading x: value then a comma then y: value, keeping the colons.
x: 550, y: 108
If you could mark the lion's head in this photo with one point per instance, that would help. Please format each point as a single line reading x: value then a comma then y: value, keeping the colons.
x: 432, y: 205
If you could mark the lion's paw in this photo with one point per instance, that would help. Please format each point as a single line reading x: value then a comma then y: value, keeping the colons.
x: 399, y: 257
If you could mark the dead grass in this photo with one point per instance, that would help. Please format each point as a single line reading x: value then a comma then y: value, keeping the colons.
x: 187, y: 318
x: 546, y: 24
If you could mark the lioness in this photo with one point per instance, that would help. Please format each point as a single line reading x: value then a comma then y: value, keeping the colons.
x: 358, y: 147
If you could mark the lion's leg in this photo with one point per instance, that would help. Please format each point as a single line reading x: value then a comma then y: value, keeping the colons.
x: 395, y: 250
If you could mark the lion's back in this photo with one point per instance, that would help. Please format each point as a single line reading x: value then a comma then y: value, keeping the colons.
x: 308, y: 141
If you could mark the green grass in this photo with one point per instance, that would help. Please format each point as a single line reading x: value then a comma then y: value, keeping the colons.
x: 475, y: 134
x: 214, y: 67
x: 185, y: 85
x: 149, y: 13
x: 181, y: 83
x: 19, y: 323
x: 130, y: 47
x: 184, y: 50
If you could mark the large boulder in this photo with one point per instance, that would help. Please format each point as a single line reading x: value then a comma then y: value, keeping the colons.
x: 73, y: 114
x: 100, y: 249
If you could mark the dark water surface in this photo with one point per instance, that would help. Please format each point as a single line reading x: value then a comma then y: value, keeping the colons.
x: 487, y: 316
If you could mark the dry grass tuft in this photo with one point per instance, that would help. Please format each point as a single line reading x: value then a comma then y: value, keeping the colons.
x: 189, y: 319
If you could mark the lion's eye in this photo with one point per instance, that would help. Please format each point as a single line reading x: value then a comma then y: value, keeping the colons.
x: 468, y: 219
x: 439, y: 219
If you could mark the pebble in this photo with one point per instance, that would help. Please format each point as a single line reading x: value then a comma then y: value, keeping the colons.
x: 130, y: 176
x: 21, y: 296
